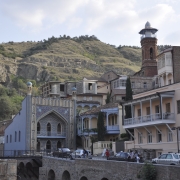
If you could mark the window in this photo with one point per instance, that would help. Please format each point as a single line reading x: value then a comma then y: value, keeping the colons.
x: 149, y: 137
x: 168, y: 108
x: 89, y: 86
x: 48, y: 128
x: 132, y: 85
x: 170, y: 136
x: 59, y: 128
x: 139, y: 112
x: 147, y: 110
x: 10, y: 138
x: 7, y: 139
x: 15, y: 137
x: 38, y: 128
x: 169, y: 156
x: 123, y: 83
x: 159, y: 136
x: 169, y: 81
x: 140, y: 138
x: 114, y: 84
x: 84, y: 98
x: 151, y: 53
x: 163, y: 156
x: 19, y: 136
x: 62, y: 87
x: 157, y: 109
x: 145, y: 85
x: 123, y: 98
x: 178, y: 106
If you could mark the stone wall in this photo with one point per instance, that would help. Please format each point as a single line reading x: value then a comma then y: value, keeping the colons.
x: 100, y: 169
x: 8, y: 169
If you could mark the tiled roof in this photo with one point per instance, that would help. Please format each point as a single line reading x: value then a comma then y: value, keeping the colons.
x: 98, y: 109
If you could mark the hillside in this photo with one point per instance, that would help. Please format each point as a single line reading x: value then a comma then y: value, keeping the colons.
x: 65, y: 58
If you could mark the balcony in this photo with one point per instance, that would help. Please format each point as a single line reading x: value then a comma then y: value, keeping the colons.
x: 154, y: 119
x: 113, y: 129
x: 50, y: 134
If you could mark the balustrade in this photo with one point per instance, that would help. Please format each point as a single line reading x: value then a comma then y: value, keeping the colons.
x: 50, y: 133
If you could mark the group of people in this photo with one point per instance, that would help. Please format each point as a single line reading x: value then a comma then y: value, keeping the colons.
x: 134, y: 155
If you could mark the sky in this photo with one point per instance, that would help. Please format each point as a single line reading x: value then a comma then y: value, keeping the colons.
x: 115, y: 22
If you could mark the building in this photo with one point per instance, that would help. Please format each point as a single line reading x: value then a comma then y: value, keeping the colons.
x: 142, y: 80
x: 42, y: 124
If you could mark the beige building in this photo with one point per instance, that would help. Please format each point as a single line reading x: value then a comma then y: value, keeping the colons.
x: 156, y: 112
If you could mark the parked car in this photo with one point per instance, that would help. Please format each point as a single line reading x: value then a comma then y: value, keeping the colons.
x: 121, y: 156
x: 62, y: 152
x: 168, y: 158
x: 79, y: 153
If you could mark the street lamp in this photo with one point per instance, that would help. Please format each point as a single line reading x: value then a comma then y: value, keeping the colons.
x: 177, y: 131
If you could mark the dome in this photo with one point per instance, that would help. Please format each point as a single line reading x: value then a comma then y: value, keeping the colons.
x: 29, y: 83
x: 74, y: 89
x: 147, y: 25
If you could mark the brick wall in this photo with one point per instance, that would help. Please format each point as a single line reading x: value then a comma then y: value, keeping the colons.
x: 176, y: 63
x: 99, y: 169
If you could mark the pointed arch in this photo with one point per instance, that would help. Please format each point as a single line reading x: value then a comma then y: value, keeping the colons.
x: 48, y: 145
x: 38, y: 128
x: 66, y: 175
x: 151, y: 53
x: 51, y: 175
x: 59, y: 145
x: 48, y: 128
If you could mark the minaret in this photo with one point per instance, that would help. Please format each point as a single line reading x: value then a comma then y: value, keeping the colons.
x: 149, y: 51
x: 29, y: 86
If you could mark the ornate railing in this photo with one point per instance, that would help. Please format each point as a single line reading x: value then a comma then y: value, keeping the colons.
x: 50, y: 133
x: 149, y: 118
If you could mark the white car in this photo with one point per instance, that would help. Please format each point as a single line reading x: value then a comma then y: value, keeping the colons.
x: 79, y: 153
x: 168, y: 159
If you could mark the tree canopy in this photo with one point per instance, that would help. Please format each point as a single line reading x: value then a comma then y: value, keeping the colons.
x: 100, y: 127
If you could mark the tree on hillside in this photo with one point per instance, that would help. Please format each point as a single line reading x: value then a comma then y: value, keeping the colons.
x: 128, y: 97
x: 108, y: 98
x: 100, y: 127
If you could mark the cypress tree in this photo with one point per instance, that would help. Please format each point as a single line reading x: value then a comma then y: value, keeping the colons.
x: 128, y: 97
x: 101, y: 130
x: 108, y: 98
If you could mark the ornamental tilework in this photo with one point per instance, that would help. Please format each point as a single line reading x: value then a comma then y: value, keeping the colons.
x: 63, y: 111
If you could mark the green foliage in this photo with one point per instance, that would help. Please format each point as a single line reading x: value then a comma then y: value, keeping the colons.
x: 100, y: 127
x: 149, y: 172
x: 110, y: 145
x: 108, y: 98
x: 10, y: 101
x: 124, y: 135
x: 128, y: 97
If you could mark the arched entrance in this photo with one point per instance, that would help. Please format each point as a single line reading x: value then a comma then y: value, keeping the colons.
x: 84, y: 178
x: 48, y: 146
x: 66, y: 176
x: 58, y: 144
x: 51, y: 175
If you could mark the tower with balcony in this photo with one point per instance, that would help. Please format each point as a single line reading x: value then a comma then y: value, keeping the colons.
x: 149, y: 51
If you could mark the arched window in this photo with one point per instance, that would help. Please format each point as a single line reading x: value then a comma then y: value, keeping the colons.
x: 151, y: 53
x: 51, y: 175
x: 15, y: 137
x: 7, y: 139
x: 59, y: 129
x: 49, y: 129
x: 19, y: 136
x: 48, y: 145
x: 38, y: 128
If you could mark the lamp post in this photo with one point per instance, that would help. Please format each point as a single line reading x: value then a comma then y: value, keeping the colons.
x: 177, y: 131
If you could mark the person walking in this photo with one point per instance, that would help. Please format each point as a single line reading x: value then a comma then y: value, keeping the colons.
x: 107, y: 154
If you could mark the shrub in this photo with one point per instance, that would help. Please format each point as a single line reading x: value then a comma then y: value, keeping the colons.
x: 149, y: 172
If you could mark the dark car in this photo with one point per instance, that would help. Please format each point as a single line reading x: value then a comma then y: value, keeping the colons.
x: 121, y: 156
x: 62, y: 152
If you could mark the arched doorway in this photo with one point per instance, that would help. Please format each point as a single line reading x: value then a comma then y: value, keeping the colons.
x: 104, y: 179
x: 58, y: 144
x: 84, y: 178
x: 48, y: 146
x: 66, y: 176
x: 49, y: 129
x: 38, y: 146
x: 51, y: 175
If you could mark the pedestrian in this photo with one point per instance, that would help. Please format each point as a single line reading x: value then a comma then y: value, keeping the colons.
x: 85, y: 153
x: 107, y: 154
x: 138, y: 158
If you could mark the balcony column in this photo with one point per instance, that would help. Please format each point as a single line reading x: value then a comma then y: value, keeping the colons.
x: 161, y: 107
x: 132, y: 111
x: 166, y: 75
x: 141, y: 110
x: 107, y: 124
x: 82, y: 123
x: 151, y: 109
x: 89, y: 122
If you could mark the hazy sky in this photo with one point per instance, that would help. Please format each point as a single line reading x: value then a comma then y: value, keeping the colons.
x: 112, y: 21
